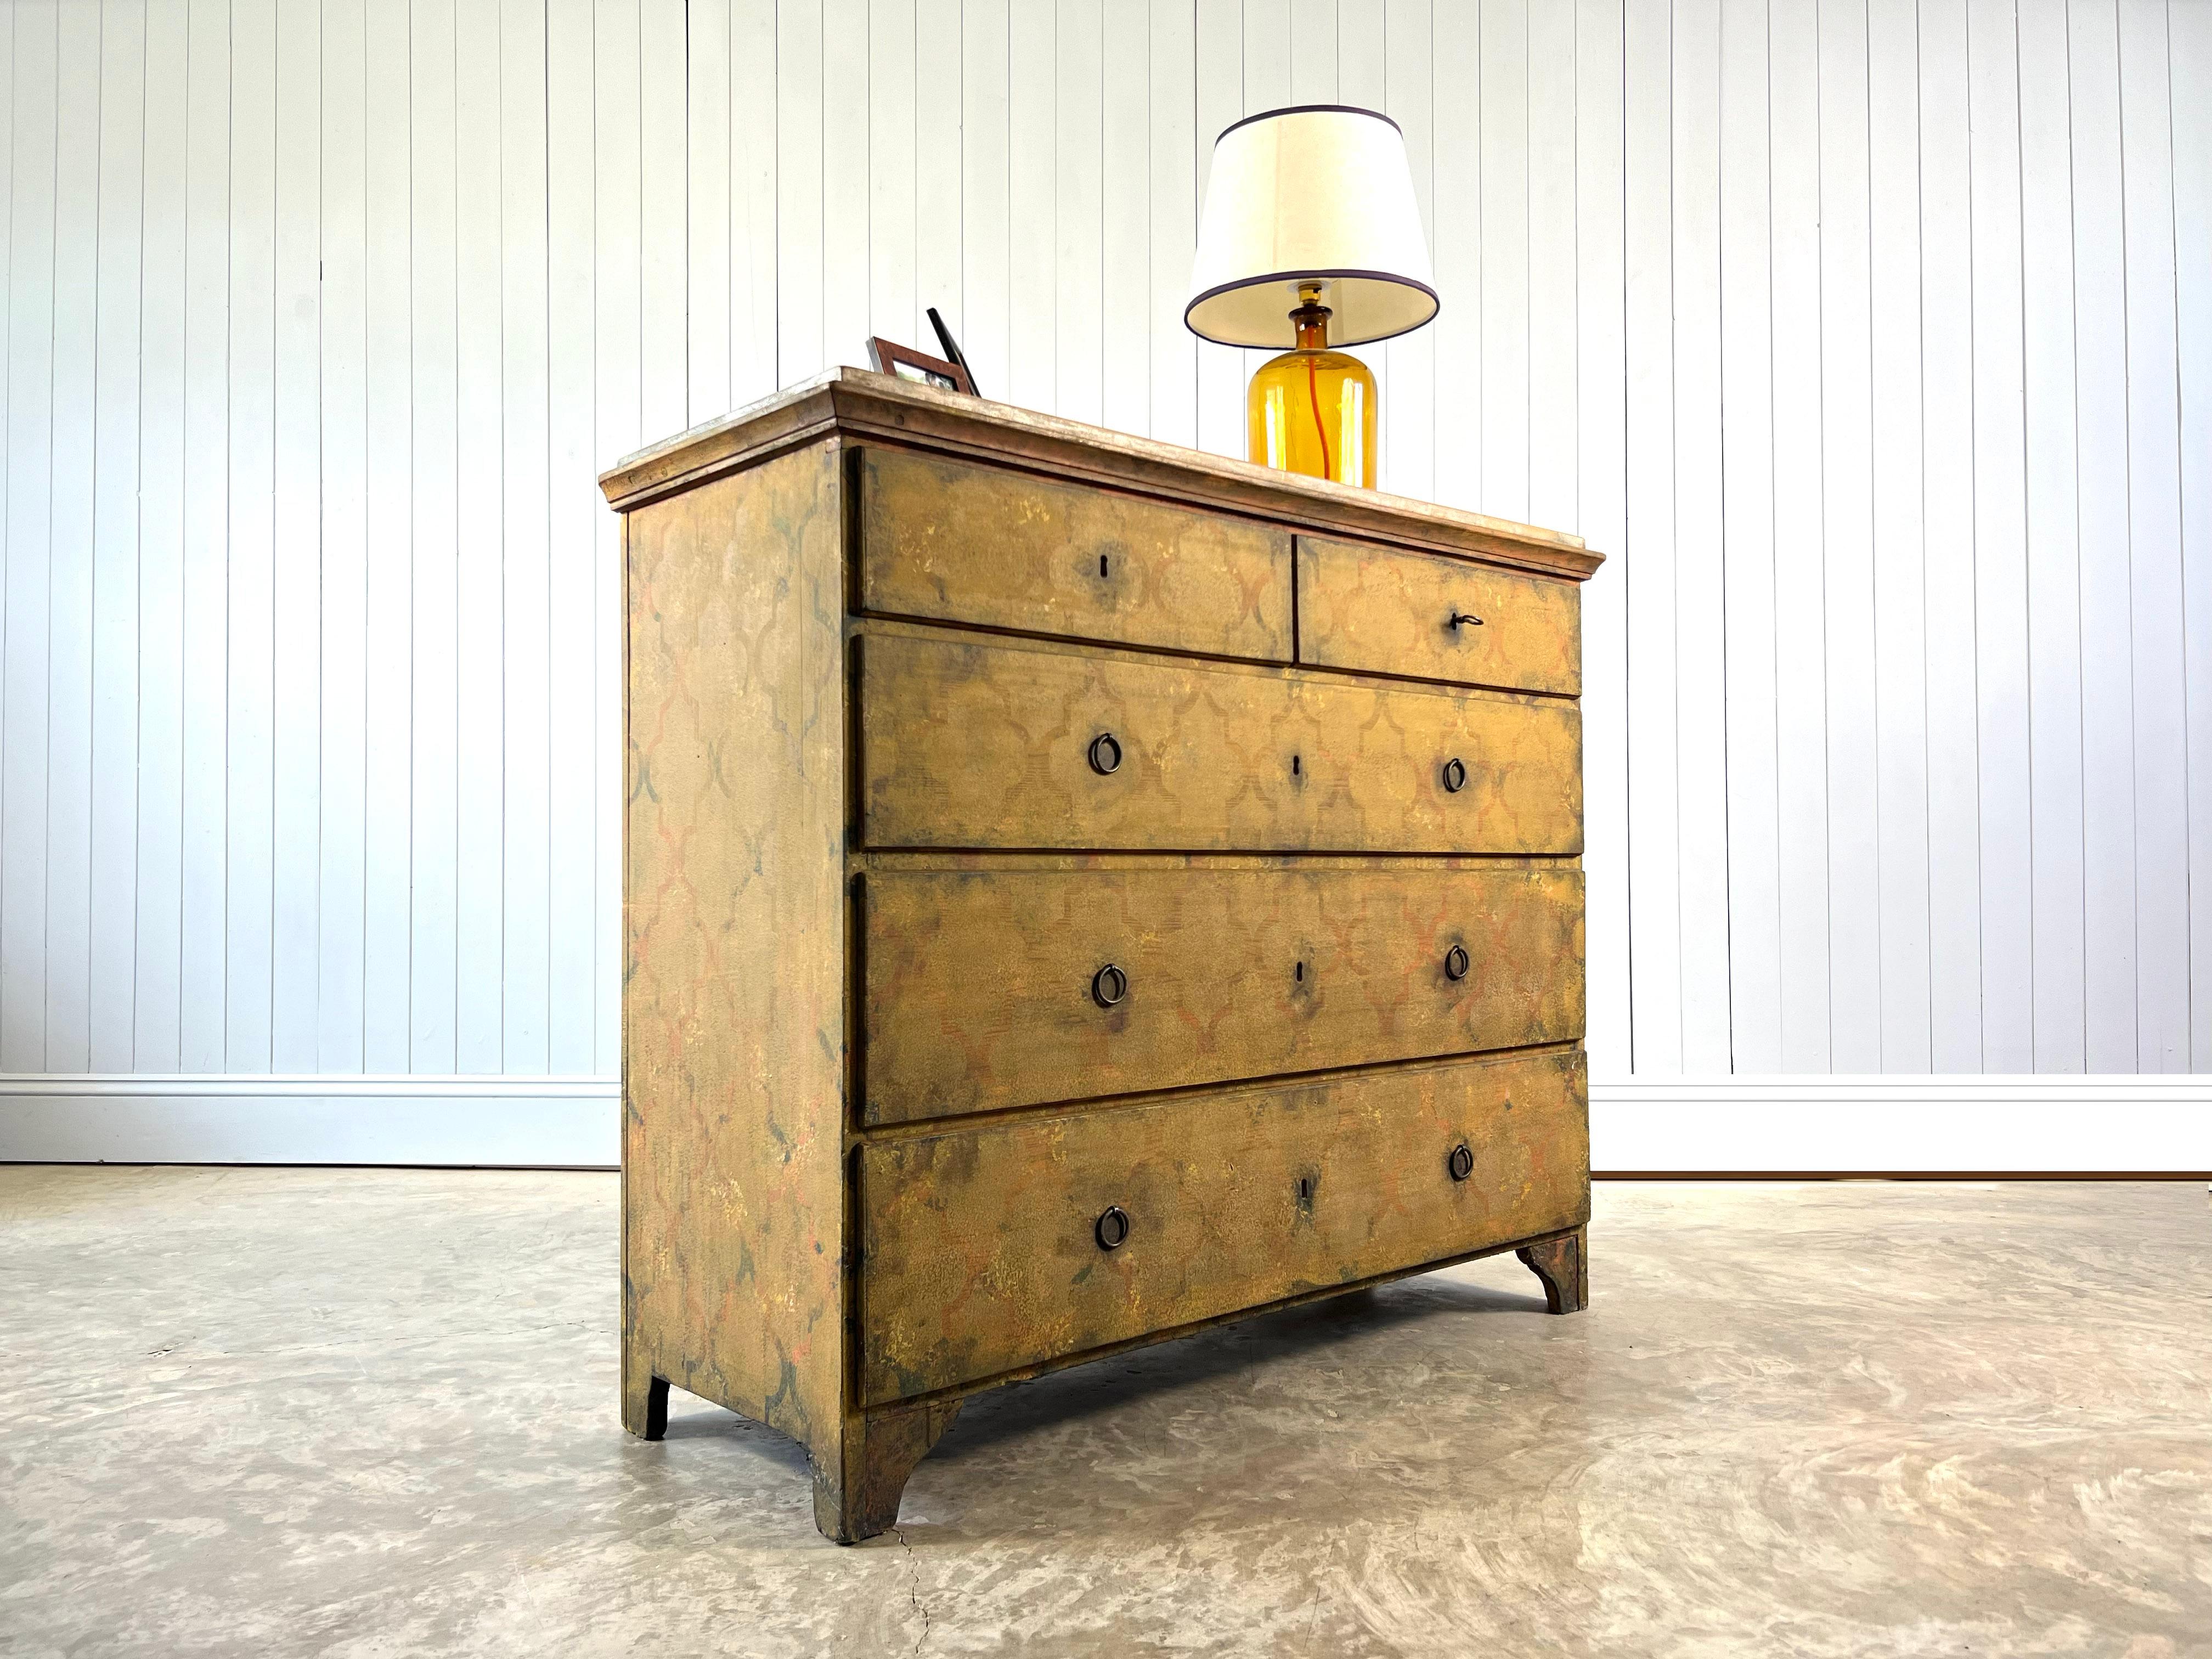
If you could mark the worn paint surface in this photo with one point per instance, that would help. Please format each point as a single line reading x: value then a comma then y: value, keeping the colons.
x: 947, y: 539
x: 1383, y: 611
x: 980, y: 1254
x: 981, y: 986
x: 733, y: 1025
x: 972, y: 746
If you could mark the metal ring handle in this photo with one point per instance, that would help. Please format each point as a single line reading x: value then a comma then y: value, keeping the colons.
x: 1459, y: 1164
x: 1459, y: 616
x: 1105, y: 754
x: 1112, y: 1228
x: 1456, y: 963
x: 1455, y: 776
x: 1108, y: 986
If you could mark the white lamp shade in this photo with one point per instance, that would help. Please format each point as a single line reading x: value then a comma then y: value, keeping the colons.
x: 1320, y: 193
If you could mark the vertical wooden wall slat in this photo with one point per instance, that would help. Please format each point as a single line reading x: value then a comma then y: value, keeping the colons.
x: 580, y: 562
x: 434, y: 636
x: 753, y: 227
x: 938, y: 208
x: 1078, y: 210
x: 893, y: 223
x: 1654, y: 839
x: 1947, y: 415
x: 524, y: 920
x: 481, y: 552
x: 387, y: 865
x: 1746, y: 392
x: 70, y: 617
x: 341, y: 416
x: 1601, y: 517
x: 801, y: 154
x: 1171, y: 88
x: 296, y: 581
x: 1505, y: 284
x: 157, y: 895
x: 1032, y: 174
x: 1847, y: 562
x: 1554, y: 466
x: 2160, y: 686
x: 1409, y: 392
x: 207, y: 529
x: 1127, y: 318
x: 1219, y: 29
x: 1900, y: 599
x: 1459, y: 250
x: 713, y: 236
x: 985, y: 81
x: 1701, y: 694
x: 2189, y: 95
x: 249, y: 842
x: 2001, y: 622
x: 1801, y: 674
x: 2101, y: 426
x: 113, y: 752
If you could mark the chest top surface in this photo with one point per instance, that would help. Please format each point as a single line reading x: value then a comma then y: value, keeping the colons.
x: 860, y: 406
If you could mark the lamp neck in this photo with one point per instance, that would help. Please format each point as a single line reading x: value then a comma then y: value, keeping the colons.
x: 1311, y: 321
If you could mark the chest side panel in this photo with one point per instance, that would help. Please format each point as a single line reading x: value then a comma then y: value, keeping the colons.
x: 733, y: 1029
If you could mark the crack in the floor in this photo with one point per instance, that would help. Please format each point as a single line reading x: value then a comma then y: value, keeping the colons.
x: 913, y: 1586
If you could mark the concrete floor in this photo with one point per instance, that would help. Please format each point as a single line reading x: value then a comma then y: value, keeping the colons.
x: 279, y: 1412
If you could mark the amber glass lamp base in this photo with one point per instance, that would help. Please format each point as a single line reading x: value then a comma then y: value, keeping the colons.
x: 1314, y: 412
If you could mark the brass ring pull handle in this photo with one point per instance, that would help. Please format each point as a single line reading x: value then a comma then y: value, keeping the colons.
x: 1455, y: 776
x: 1459, y: 1164
x: 1108, y: 986
x: 1459, y: 616
x: 1105, y: 754
x: 1112, y: 1231
x: 1456, y: 963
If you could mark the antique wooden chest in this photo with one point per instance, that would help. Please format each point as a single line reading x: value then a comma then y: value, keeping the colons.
x: 1076, y: 891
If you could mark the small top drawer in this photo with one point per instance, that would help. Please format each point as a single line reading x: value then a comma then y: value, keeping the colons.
x: 952, y: 542
x: 1378, y: 611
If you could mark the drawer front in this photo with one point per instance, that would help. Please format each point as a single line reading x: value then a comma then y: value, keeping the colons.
x: 957, y: 542
x: 980, y: 1249
x: 965, y: 745
x: 1432, y: 618
x: 986, y: 989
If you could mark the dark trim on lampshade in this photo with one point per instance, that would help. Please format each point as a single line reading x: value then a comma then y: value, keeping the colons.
x: 1307, y: 109
x: 1436, y: 304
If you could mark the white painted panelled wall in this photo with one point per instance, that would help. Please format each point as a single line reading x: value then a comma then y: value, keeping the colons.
x: 1872, y: 339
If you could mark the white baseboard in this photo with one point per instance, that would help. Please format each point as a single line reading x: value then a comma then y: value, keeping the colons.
x: 1897, y: 1125
x: 1641, y: 1126
x: 559, y: 1122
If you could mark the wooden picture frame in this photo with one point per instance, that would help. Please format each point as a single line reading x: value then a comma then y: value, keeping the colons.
x: 888, y: 357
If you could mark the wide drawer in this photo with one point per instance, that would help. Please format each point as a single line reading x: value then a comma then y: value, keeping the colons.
x: 980, y: 1247
x: 967, y: 745
x: 1427, y: 617
x: 986, y: 989
x: 953, y: 542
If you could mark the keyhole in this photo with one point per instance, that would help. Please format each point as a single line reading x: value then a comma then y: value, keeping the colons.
x: 1306, y: 1187
x: 1101, y: 564
x: 1294, y: 766
x: 1299, y: 973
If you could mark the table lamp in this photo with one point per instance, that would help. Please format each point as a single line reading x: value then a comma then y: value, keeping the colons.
x: 1311, y: 237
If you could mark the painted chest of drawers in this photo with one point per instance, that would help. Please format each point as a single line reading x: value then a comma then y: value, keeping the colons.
x: 1076, y: 891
